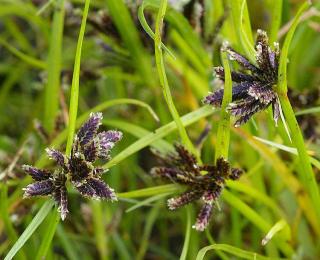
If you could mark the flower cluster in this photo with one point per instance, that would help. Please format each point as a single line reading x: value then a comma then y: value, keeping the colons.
x: 182, y: 167
x: 88, y: 146
x: 253, y: 91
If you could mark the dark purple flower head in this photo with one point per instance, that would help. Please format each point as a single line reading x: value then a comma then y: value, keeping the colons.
x: 88, y: 146
x: 204, y: 182
x: 48, y: 184
x: 253, y: 89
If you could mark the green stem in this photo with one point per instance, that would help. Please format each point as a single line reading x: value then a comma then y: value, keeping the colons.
x: 282, y: 87
x: 75, y: 81
x: 306, y: 174
x: 223, y: 135
x: 55, y: 217
x: 241, y: 23
x: 163, y: 78
x: 39, y: 64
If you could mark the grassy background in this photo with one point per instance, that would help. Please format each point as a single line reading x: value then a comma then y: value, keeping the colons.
x: 53, y: 71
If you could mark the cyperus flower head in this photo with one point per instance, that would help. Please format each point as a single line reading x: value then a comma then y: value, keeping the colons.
x: 182, y: 167
x: 87, y: 147
x: 48, y: 183
x: 253, y: 89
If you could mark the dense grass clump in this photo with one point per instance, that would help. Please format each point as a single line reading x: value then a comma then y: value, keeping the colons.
x: 216, y: 104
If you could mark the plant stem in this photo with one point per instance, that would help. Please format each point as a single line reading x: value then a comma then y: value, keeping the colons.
x: 223, y: 134
x: 306, y: 173
x: 55, y: 217
x: 164, y: 81
x: 75, y: 81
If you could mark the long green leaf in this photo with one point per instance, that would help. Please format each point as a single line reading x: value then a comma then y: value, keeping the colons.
x: 146, y: 26
x: 54, y: 67
x: 73, y: 109
x: 158, y: 134
x: 27, y: 233
x: 163, y: 78
x: 306, y: 174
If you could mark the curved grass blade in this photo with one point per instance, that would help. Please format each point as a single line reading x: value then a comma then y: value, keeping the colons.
x: 240, y: 253
x: 130, y: 36
x: 24, y: 57
x: 146, y: 26
x: 241, y: 23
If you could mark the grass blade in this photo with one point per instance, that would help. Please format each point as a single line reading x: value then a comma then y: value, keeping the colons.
x: 280, y: 225
x: 27, y: 233
x: 39, y: 64
x: 306, y: 174
x: 158, y: 134
x: 163, y: 78
x: 54, y: 68
x: 147, y: 192
x: 55, y: 217
x: 73, y: 109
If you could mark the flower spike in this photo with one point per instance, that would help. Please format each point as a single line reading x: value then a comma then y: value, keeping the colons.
x: 88, y: 146
x: 253, y: 90
x: 182, y: 167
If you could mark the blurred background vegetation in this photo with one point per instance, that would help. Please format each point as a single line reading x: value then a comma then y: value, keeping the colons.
x: 118, y: 62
